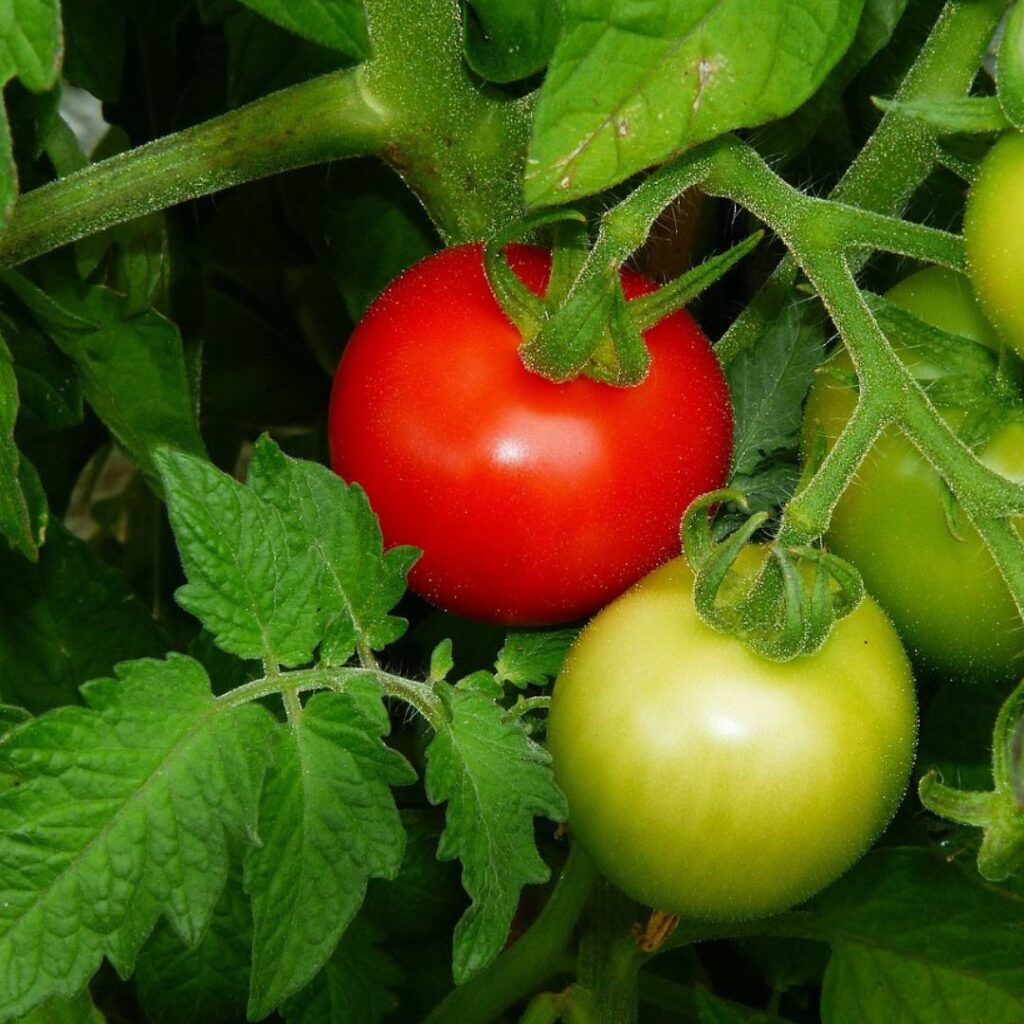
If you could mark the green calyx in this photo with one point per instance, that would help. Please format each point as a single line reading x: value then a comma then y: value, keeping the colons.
x: 584, y: 324
x: 780, y: 606
x: 999, y: 812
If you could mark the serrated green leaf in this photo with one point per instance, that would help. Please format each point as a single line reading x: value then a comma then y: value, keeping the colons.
x: 877, y: 24
x: 361, y: 582
x: 495, y: 780
x: 510, y: 39
x: 328, y: 823
x: 768, y: 382
x: 631, y: 84
x: 533, y: 656
x: 15, y: 516
x: 340, y: 24
x: 122, y: 814
x: 66, y: 619
x: 131, y: 366
x: 253, y: 582
x: 48, y: 389
x: 79, y: 1010
x: 356, y: 986
x: 180, y: 984
x: 917, y: 940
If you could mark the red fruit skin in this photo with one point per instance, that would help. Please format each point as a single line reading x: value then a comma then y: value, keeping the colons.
x: 533, y: 502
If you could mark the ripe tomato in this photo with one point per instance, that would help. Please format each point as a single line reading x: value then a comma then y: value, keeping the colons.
x: 533, y: 502
x: 709, y: 782
x: 943, y: 591
x: 993, y: 224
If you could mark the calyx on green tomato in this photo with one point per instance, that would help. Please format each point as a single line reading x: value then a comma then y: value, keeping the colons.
x: 710, y: 782
x: 933, y: 576
x: 993, y: 228
x: 533, y: 502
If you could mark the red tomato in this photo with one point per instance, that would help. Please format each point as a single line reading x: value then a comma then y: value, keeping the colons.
x: 533, y: 502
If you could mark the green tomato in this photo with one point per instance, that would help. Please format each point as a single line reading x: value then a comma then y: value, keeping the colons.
x: 944, y: 299
x: 710, y: 782
x: 993, y: 226
x: 920, y: 556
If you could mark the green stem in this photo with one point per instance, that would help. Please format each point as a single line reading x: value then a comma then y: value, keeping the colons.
x: 418, y: 695
x: 460, y: 145
x: 292, y: 704
x: 324, y: 119
x: 899, y: 155
x: 610, y: 958
x: 531, y: 961
x: 526, y: 704
x: 888, y: 391
x: 802, y: 520
x: 864, y: 229
x: 901, y: 151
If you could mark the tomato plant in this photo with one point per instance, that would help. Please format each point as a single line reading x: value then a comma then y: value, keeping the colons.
x: 481, y: 463
x: 993, y: 220
x: 279, y: 743
x: 920, y: 556
x: 727, y: 786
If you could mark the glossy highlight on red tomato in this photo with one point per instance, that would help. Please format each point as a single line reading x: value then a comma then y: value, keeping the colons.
x: 533, y: 502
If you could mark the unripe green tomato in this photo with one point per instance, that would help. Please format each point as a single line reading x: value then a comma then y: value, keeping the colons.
x: 710, y: 782
x: 941, y: 589
x: 993, y: 232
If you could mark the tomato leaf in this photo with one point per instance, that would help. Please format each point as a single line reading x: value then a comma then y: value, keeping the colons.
x: 253, y: 580
x: 48, y: 388
x: 131, y: 365
x: 356, y: 986
x: 30, y: 50
x: 66, y: 619
x: 533, y: 656
x: 876, y: 27
x: 328, y: 823
x: 18, y: 524
x: 510, y: 39
x: 340, y: 24
x: 360, y: 582
x: 632, y: 84
x: 129, y: 803
x: 79, y: 1010
x: 495, y: 780
x: 181, y: 984
x: 768, y: 382
x: 917, y: 940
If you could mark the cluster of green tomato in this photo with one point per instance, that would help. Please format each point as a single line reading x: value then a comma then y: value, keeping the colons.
x: 704, y: 779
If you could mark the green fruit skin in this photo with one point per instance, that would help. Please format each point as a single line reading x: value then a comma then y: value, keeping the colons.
x: 944, y: 593
x: 712, y: 783
x: 994, y: 237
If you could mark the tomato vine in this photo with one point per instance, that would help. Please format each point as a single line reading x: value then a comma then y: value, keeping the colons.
x: 462, y: 146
